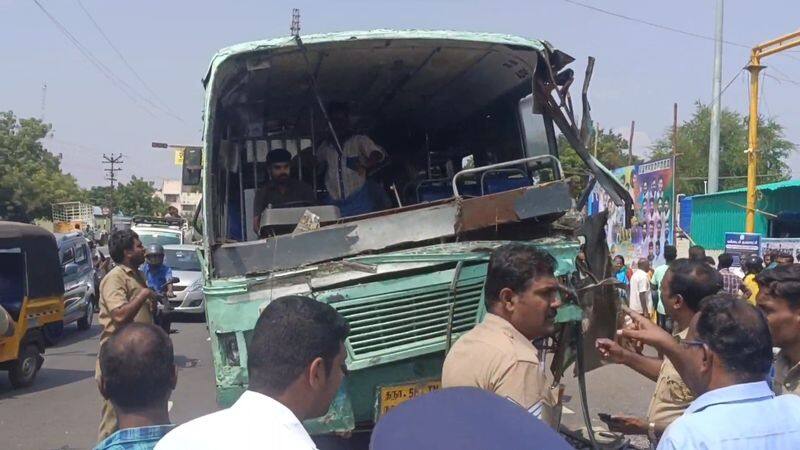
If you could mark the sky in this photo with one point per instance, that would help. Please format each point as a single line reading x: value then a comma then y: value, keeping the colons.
x: 640, y: 72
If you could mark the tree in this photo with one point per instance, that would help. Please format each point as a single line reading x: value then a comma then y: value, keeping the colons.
x: 30, y: 176
x: 612, y: 151
x: 692, y: 160
x: 102, y: 196
x: 137, y: 198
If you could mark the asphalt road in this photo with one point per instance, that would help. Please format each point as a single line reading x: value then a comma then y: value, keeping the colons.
x: 62, y: 409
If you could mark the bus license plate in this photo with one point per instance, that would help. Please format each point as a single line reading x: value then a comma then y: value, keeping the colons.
x: 391, y: 396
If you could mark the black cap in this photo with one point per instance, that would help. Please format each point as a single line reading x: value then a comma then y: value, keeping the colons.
x: 278, y: 155
x: 465, y: 418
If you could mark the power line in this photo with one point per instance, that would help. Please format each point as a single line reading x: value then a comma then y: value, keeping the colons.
x: 108, y: 73
x: 125, y: 61
x: 653, y: 24
x: 665, y: 27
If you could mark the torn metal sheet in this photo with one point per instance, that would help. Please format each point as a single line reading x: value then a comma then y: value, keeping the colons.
x: 390, y: 229
x: 513, y: 206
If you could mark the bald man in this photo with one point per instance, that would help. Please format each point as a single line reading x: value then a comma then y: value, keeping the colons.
x: 138, y: 376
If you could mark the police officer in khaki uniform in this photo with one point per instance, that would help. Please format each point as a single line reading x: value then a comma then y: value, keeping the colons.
x: 521, y: 295
x: 124, y: 298
x: 685, y: 284
x: 779, y: 299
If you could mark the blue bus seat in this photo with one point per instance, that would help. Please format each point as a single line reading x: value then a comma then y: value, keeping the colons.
x: 502, y: 180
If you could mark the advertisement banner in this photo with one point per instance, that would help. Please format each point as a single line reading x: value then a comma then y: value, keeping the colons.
x: 652, y: 188
x: 742, y: 244
x: 781, y: 245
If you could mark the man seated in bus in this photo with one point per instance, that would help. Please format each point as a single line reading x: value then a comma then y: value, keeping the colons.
x: 346, y: 174
x: 281, y: 191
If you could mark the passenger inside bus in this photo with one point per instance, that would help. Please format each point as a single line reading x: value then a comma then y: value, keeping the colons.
x: 281, y: 190
x: 347, y: 174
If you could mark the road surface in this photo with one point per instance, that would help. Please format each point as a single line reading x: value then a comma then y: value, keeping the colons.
x: 62, y: 409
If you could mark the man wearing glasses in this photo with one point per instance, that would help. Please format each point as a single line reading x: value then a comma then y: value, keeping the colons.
x: 295, y: 364
x: 684, y: 285
x: 725, y: 360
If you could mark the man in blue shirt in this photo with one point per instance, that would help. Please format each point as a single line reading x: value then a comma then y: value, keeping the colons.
x: 725, y: 360
x: 158, y: 277
x: 138, y: 376
x: 157, y: 273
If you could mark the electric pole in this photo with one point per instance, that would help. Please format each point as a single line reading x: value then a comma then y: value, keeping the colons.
x: 44, y: 101
x: 295, y: 29
x: 113, y: 162
x: 713, y: 144
x: 674, y: 172
x: 630, y: 144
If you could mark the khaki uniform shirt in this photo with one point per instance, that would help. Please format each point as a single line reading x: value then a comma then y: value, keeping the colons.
x: 496, y: 357
x: 787, y: 379
x: 672, y: 396
x: 118, y: 287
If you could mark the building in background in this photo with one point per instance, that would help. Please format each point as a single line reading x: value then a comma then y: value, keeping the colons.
x: 175, y: 194
x: 777, y: 216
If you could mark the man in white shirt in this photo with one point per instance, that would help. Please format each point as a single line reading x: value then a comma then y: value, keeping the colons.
x: 346, y: 173
x: 296, y: 363
x: 639, y: 297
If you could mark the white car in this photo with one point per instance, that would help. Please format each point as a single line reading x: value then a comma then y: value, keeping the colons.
x: 159, y: 230
x: 185, y: 265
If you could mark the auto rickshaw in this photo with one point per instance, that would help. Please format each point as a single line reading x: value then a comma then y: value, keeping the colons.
x: 31, y: 296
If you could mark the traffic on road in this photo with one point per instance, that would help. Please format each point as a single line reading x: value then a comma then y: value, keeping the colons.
x: 405, y: 239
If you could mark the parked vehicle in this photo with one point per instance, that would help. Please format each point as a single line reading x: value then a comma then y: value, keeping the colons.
x: 78, y: 270
x: 468, y: 122
x: 159, y: 230
x: 31, y: 290
x: 71, y: 216
x: 185, y: 265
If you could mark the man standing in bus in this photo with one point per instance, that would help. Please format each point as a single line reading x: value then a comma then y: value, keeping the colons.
x: 346, y: 173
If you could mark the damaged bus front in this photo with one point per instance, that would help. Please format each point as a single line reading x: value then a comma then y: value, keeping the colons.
x: 467, y: 124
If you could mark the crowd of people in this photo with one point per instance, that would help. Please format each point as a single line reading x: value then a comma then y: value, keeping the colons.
x: 713, y: 366
x: 714, y: 327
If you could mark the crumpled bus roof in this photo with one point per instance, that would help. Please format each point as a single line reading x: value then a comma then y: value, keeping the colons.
x: 342, y: 36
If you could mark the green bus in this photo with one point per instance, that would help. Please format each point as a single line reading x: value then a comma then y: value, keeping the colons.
x: 469, y: 122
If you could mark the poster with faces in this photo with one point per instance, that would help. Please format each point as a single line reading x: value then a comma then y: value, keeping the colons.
x: 652, y: 188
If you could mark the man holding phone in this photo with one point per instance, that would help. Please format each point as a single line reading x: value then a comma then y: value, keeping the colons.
x: 684, y: 285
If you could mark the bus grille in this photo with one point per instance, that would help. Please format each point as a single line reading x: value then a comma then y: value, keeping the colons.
x: 405, y: 320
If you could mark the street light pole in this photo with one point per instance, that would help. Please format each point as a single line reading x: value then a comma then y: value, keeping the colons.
x: 713, y: 144
x: 760, y: 51
x: 755, y: 68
